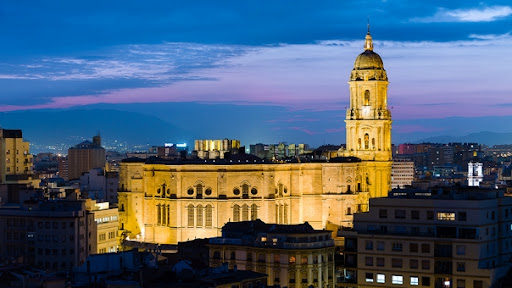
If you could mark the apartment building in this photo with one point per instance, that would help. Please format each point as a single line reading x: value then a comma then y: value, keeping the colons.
x: 438, y: 238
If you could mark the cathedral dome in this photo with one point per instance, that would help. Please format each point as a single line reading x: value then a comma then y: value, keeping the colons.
x: 368, y: 60
x: 368, y: 65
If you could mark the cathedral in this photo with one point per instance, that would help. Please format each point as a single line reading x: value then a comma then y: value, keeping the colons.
x: 169, y: 201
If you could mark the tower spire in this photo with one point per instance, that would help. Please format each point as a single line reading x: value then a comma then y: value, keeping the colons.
x: 368, y: 44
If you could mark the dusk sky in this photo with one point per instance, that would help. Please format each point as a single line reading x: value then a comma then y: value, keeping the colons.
x: 278, y: 68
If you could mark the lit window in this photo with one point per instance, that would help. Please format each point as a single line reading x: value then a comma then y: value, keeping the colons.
x: 446, y: 216
x: 381, y: 278
x: 369, y: 277
x: 415, y: 280
x: 397, y: 279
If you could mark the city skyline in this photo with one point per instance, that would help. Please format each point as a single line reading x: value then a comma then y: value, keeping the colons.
x: 279, y: 70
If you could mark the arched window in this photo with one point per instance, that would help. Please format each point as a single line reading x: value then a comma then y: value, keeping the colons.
x: 285, y: 214
x: 254, y: 212
x: 199, y: 217
x: 199, y: 191
x: 164, y: 215
x: 359, y: 143
x: 168, y: 215
x: 245, y: 212
x: 366, y: 141
x: 373, y: 143
x: 236, y: 213
x: 159, y: 215
x: 208, y: 216
x: 245, y: 191
x: 190, y: 212
x: 280, y: 214
x: 367, y: 98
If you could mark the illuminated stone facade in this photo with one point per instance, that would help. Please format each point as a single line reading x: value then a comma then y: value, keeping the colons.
x: 164, y: 201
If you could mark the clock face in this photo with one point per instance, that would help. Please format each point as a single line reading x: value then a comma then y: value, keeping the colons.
x: 366, y: 110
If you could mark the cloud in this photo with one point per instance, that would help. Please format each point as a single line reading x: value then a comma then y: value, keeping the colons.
x: 447, y: 78
x: 484, y: 14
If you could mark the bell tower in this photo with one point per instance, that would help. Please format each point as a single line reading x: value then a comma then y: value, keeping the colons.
x: 368, y: 120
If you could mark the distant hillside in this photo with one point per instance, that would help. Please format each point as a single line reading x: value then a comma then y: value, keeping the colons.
x: 50, y: 127
x: 484, y: 137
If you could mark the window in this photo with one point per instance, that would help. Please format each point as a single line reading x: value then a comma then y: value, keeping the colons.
x: 413, y: 247
x: 245, y: 212
x: 199, y: 190
x: 277, y: 258
x: 462, y: 216
x: 415, y: 214
x: 380, y: 245
x: 381, y: 278
x: 415, y: 281
x: 446, y: 216
x: 208, y: 191
x: 367, y: 97
x: 190, y: 211
x: 232, y: 256
x: 236, y: 191
x: 254, y: 191
x: 254, y: 212
x: 369, y: 245
x: 399, y: 214
x: 425, y: 248
x: 380, y: 261
x: 291, y: 259
x: 461, y: 267
x: 461, y: 249
x: 461, y: 283
x: 209, y: 212
x: 396, y: 263
x: 245, y: 191
x: 190, y: 191
x: 425, y: 281
x: 478, y: 284
x: 430, y: 215
x: 413, y: 263
x: 397, y: 246
x: 425, y: 264
x: 199, y: 218
x: 369, y: 277
x: 369, y: 261
x: 383, y: 213
x: 304, y: 260
x: 236, y: 213
x: 397, y: 279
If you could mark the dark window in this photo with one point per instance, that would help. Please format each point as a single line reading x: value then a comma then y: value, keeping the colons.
x: 413, y: 263
x: 413, y: 247
x: 425, y: 281
x: 462, y: 216
x: 415, y: 215
x: 399, y: 214
x: 396, y: 263
x: 430, y: 215
x: 380, y: 261
x: 383, y: 213
x: 425, y: 248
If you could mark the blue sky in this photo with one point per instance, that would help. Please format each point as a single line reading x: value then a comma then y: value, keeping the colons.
x: 444, y: 59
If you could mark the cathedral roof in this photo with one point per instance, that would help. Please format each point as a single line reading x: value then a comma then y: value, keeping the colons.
x: 368, y: 65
